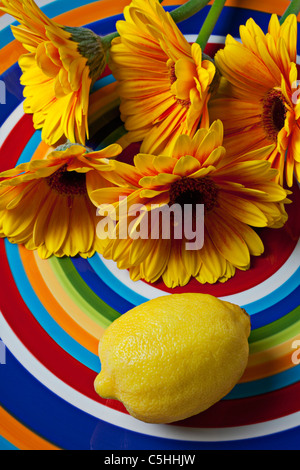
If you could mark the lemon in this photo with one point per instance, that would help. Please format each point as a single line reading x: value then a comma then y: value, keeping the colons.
x: 173, y: 357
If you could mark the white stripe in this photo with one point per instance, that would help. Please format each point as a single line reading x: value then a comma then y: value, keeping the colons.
x: 214, y: 39
x: 243, y: 298
x: 271, y: 284
x: 11, y: 122
x: 122, y: 420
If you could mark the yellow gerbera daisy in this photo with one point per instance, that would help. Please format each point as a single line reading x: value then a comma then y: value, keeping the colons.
x: 256, y: 99
x: 45, y: 204
x: 236, y: 195
x: 58, y: 72
x: 164, y: 82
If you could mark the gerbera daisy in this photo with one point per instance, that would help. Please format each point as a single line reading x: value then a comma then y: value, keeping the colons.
x: 164, y: 82
x: 58, y: 72
x: 256, y: 99
x: 236, y: 196
x: 45, y: 204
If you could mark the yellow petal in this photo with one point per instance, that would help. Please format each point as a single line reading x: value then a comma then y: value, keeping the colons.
x: 161, y: 180
x: 23, y: 216
x: 182, y: 147
x: 57, y: 224
x: 45, y: 63
x: 243, y: 210
x: 175, y: 273
x: 41, y: 223
x: 155, y: 264
x: 164, y: 164
x: 186, y: 166
x: 227, y: 240
x: 82, y: 228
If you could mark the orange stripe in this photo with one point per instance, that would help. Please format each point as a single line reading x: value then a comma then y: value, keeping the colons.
x: 41, y: 151
x: 67, y: 323
x: 272, y: 353
x: 21, y: 437
x: 78, y: 17
x: 10, y: 54
x: 269, y: 361
x: 266, y: 369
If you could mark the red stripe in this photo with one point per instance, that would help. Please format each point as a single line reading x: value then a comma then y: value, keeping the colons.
x: 36, y: 340
x: 15, y: 142
x: 253, y: 410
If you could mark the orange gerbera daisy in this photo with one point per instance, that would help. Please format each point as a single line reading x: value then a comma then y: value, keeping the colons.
x: 256, y: 99
x: 236, y: 195
x: 58, y: 72
x: 45, y: 204
x: 164, y: 82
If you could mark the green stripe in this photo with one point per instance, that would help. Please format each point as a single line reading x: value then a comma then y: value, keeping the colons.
x: 275, y: 333
x: 113, y: 137
x: 81, y: 294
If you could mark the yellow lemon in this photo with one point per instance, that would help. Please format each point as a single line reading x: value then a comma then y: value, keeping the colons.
x: 173, y: 357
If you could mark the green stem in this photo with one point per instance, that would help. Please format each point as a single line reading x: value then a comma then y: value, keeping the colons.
x: 185, y: 11
x: 188, y: 9
x: 210, y: 22
x: 292, y: 9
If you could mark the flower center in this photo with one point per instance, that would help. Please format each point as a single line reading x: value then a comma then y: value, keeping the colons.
x: 67, y: 183
x: 194, y: 191
x: 274, y: 113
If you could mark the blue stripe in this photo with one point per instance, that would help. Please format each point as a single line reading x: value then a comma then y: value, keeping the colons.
x: 30, y: 148
x: 103, y: 82
x: 114, y: 283
x: 266, y: 310
x: 265, y: 385
x: 99, y: 287
x: 13, y: 91
x: 5, y: 445
x: 276, y: 296
x: 276, y: 311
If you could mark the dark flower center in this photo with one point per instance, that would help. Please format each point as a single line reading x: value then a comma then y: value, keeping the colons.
x: 67, y: 183
x: 274, y: 113
x: 195, y: 191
